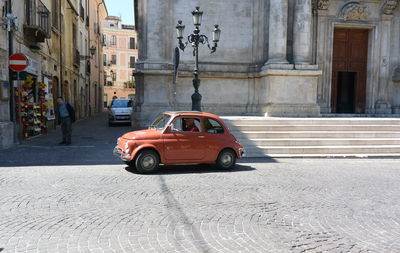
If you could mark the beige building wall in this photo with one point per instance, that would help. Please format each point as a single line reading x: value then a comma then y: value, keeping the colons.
x: 118, y: 39
x: 97, y: 13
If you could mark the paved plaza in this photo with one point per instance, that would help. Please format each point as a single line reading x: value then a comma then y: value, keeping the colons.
x: 80, y: 198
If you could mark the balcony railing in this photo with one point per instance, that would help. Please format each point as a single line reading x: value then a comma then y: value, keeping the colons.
x: 77, y: 59
x: 37, y: 25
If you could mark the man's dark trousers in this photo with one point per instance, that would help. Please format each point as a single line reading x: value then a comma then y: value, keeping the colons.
x: 66, y: 128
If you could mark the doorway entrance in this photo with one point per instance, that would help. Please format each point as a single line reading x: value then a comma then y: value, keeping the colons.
x: 349, y: 71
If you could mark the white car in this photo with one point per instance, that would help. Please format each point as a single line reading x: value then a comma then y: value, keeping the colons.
x: 120, y: 111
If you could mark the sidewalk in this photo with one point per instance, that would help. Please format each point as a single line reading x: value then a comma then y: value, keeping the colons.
x: 92, y: 143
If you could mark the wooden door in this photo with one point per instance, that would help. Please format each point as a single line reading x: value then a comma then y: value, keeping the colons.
x: 350, y: 54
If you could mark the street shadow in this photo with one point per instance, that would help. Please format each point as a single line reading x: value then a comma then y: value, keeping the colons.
x: 178, y: 217
x: 194, y: 169
x: 258, y: 160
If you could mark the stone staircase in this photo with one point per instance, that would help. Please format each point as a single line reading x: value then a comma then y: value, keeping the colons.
x: 317, y: 137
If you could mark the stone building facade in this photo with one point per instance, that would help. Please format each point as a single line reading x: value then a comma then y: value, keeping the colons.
x: 119, y: 58
x: 6, y: 125
x: 274, y: 58
x: 97, y: 14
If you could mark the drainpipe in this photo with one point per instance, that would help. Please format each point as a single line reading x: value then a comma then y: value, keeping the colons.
x: 61, y: 83
x: 91, y: 67
x: 10, y: 76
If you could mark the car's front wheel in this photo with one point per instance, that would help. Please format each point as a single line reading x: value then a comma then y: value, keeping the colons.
x: 147, y: 161
x: 226, y: 159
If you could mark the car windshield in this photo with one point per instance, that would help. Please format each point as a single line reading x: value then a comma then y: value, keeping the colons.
x: 121, y: 103
x: 161, y: 121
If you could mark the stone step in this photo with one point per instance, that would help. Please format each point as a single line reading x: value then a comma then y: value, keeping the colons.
x: 259, y: 155
x: 326, y: 150
x: 317, y: 137
x: 315, y: 134
x: 319, y: 141
x: 310, y: 121
x: 245, y: 127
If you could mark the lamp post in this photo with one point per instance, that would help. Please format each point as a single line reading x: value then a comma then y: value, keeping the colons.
x: 195, y: 39
x: 92, y: 51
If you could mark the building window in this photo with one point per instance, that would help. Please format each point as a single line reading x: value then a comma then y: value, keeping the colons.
x: 132, y: 62
x: 114, y: 40
x: 81, y: 10
x: 104, y: 39
x: 30, y: 13
x: 104, y: 60
x: 114, y: 76
x: 36, y: 14
x: 55, y: 16
x: 132, y: 96
x: 132, y: 43
x: 105, y: 98
x: 62, y: 28
x: 113, y: 59
x: 74, y: 39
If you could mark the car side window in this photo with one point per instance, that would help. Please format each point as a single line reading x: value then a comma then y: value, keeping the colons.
x: 186, y: 125
x: 213, y: 127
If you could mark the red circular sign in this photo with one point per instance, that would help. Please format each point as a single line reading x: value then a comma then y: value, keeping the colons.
x: 18, y: 62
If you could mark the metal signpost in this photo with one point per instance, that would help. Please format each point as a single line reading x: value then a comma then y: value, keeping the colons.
x: 18, y: 63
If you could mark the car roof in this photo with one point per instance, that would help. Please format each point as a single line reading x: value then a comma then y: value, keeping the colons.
x: 192, y: 113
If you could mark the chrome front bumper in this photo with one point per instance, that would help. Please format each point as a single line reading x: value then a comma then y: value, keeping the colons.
x: 242, y: 152
x: 118, y: 152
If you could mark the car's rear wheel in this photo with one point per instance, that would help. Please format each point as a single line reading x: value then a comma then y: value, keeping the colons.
x: 226, y: 159
x: 147, y: 161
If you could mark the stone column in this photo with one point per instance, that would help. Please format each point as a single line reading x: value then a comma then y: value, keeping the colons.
x: 302, y: 32
x: 278, y: 12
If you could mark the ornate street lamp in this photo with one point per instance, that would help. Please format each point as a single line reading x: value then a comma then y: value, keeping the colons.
x: 92, y: 51
x: 195, y: 39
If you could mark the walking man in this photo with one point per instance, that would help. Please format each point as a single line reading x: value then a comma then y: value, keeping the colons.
x: 66, y: 116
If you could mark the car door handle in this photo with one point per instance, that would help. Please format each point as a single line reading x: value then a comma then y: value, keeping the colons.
x: 201, y: 137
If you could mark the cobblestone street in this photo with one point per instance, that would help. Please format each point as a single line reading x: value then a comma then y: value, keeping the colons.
x: 80, y: 198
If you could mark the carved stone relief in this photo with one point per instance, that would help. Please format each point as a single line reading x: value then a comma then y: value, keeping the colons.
x: 320, y: 4
x: 388, y: 6
x: 354, y: 11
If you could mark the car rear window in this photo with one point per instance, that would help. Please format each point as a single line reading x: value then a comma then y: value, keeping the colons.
x: 121, y: 103
x: 213, y: 126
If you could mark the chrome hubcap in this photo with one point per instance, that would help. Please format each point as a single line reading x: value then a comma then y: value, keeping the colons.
x: 226, y: 159
x: 148, y: 162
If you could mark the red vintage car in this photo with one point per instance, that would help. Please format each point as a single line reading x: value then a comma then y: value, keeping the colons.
x: 180, y: 138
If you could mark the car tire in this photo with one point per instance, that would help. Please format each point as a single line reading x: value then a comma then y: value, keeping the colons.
x: 131, y: 164
x: 226, y: 159
x: 147, y: 161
